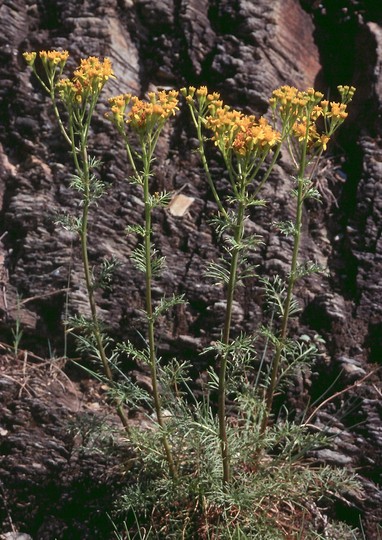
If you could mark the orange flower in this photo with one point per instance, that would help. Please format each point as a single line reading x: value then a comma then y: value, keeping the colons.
x: 299, y: 130
x: 299, y: 112
x: 202, y: 91
x: 257, y: 136
x: 337, y: 110
x: 323, y: 141
x: 118, y: 106
x: 93, y: 73
x: 242, y: 133
x: 144, y: 115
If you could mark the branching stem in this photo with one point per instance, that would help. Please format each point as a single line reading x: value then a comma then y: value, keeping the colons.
x: 280, y: 347
x: 198, y: 125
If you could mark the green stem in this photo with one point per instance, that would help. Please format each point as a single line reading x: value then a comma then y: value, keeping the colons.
x: 81, y: 163
x: 202, y: 154
x: 238, y: 234
x: 291, y: 282
x: 58, y: 118
x: 269, y: 170
x: 147, y: 155
x: 87, y: 273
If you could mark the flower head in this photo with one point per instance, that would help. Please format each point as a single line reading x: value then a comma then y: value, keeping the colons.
x: 92, y: 73
x: 256, y: 138
x: 53, y: 63
x: 346, y: 93
x: 30, y: 58
x: 54, y: 58
x: 87, y: 81
x: 337, y: 111
x: 69, y: 91
x: 200, y: 99
x: 244, y: 134
x: 118, y: 106
x: 300, y: 113
x: 144, y: 115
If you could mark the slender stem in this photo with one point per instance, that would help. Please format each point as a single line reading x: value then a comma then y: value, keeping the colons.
x: 80, y: 128
x: 58, y: 117
x: 75, y: 151
x: 238, y: 234
x: 202, y: 154
x: 269, y: 170
x: 292, y: 279
x: 147, y: 156
x: 88, y: 277
x: 51, y: 91
x: 130, y: 156
x: 291, y: 282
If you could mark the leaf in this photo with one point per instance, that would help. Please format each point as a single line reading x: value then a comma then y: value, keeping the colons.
x: 218, y: 272
x: 140, y: 355
x: 308, y: 268
x: 69, y: 223
x: 161, y: 199
x: 167, y: 303
x: 108, y: 267
x: 138, y: 257
x: 275, y: 294
x: 287, y: 228
x: 136, y: 229
x: 94, y: 163
x: 97, y: 188
x: 313, y: 193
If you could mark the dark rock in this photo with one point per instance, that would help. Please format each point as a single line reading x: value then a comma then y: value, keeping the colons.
x: 243, y: 49
x: 337, y: 459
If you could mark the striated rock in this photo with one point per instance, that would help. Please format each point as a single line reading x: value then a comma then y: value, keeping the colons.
x: 351, y: 368
x: 338, y: 459
x: 243, y: 49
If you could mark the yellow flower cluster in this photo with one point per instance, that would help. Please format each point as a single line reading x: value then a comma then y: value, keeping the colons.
x: 346, y: 92
x: 160, y: 107
x: 244, y: 134
x: 257, y: 135
x: 30, y: 57
x: 302, y: 132
x: 204, y: 98
x: 93, y: 73
x: 299, y: 112
x: 337, y: 110
x: 118, y: 106
x: 56, y: 58
x: 224, y: 122
x: 88, y: 80
x: 144, y: 115
x: 232, y: 130
x: 293, y: 104
x: 70, y: 91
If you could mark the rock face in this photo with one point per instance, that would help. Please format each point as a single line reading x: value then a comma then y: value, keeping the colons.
x: 244, y: 50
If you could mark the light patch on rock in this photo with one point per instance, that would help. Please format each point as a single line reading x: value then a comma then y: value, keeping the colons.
x: 180, y: 204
